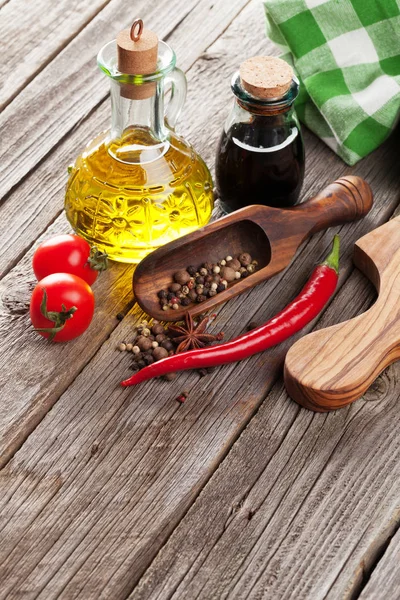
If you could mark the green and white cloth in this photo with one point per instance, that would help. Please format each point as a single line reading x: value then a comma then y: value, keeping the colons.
x: 347, y: 56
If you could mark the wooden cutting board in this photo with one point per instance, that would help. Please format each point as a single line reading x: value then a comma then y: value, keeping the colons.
x: 332, y: 367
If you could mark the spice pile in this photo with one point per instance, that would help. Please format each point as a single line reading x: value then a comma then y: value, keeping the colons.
x: 197, y: 284
x: 150, y: 343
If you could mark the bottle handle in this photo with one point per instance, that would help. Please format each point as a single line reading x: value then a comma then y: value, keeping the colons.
x: 177, y: 79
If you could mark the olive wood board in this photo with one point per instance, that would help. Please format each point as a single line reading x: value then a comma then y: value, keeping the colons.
x: 271, y: 235
x: 333, y: 367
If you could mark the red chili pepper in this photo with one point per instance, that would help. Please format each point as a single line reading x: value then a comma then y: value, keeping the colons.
x: 304, y: 308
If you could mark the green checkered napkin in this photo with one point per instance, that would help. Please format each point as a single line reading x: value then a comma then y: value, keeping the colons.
x: 347, y: 55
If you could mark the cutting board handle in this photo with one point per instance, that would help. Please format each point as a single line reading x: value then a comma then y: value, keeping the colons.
x: 346, y: 199
x: 331, y: 367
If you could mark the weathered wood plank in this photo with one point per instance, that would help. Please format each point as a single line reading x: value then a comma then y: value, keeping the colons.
x: 33, y: 33
x: 35, y: 203
x: 385, y: 579
x: 53, y: 112
x: 300, y: 505
x: 41, y: 197
x: 108, y: 473
x: 102, y: 518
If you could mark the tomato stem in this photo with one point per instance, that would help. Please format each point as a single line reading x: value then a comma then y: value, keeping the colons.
x: 98, y: 261
x: 58, y: 318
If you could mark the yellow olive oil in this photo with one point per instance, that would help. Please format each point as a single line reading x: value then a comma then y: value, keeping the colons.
x: 131, y: 195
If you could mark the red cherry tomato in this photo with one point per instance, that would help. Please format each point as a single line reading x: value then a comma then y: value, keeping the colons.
x: 68, y: 254
x: 62, y: 307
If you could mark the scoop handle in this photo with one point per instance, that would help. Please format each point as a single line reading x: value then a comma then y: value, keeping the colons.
x: 346, y: 199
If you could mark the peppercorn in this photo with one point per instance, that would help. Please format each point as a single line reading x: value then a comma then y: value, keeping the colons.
x: 212, y: 293
x: 228, y: 274
x: 160, y: 337
x: 216, y: 269
x: 136, y: 350
x: 162, y: 294
x: 227, y: 258
x: 163, y: 302
x: 169, y: 376
x: 175, y: 287
x: 154, y: 344
x: 245, y: 259
x: 146, y: 331
x: 237, y: 275
x: 203, y: 271
x: 185, y: 290
x: 251, y: 268
x: 167, y: 345
x: 159, y: 353
x: 220, y: 288
x: 199, y: 289
x: 121, y: 347
x: 233, y: 264
x: 222, y: 263
x: 214, y: 286
x: 143, y: 343
x: 200, y: 280
x: 170, y: 295
x: 216, y: 278
x: 185, y: 301
x: 190, y: 284
x: 157, y: 329
x: 175, y: 306
x: 148, y: 359
x: 224, y: 283
x: 201, y: 298
x: 165, y: 307
x: 245, y: 273
x: 208, y: 279
x: 182, y: 276
x: 120, y: 316
x: 175, y: 300
x: 191, y: 270
x: 129, y: 347
x: 141, y: 364
x: 192, y: 295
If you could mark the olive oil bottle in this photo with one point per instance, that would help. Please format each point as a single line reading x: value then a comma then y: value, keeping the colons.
x: 139, y: 185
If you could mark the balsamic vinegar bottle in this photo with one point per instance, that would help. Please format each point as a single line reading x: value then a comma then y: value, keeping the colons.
x: 260, y: 156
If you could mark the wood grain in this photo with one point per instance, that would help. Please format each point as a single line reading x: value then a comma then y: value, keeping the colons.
x: 99, y: 486
x: 41, y: 197
x: 271, y: 236
x: 331, y: 368
x: 302, y: 505
x: 33, y: 33
x: 53, y: 112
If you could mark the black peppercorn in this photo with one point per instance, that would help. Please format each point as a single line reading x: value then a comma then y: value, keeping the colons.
x: 220, y: 288
x: 200, y: 280
x: 201, y: 298
x: 185, y: 301
x: 170, y: 296
x: 141, y: 364
x: 168, y: 345
x: 162, y: 294
x: 148, y: 359
x: 192, y: 270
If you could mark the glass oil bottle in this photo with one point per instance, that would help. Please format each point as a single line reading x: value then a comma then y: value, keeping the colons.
x: 139, y: 185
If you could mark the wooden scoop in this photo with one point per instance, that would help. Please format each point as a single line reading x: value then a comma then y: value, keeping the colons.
x: 332, y: 367
x: 270, y: 235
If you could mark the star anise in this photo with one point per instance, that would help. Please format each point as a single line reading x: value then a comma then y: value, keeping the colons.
x: 191, y: 335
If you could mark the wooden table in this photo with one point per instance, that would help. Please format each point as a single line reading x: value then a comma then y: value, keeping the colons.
x: 124, y: 493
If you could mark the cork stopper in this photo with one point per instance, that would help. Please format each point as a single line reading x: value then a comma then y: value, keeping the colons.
x: 137, y: 50
x: 266, y: 77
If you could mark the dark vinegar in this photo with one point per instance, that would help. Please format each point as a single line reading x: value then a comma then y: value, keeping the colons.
x: 260, y: 163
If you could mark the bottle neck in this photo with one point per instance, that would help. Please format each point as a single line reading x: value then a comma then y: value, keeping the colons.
x: 138, y: 132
